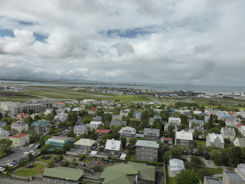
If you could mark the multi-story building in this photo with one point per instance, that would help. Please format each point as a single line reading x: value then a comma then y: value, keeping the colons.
x: 59, y: 142
x: 93, y: 125
x: 4, y: 134
x: 80, y: 129
x: 151, y: 133
x: 84, y: 146
x: 18, y: 108
x: 147, y: 150
x: 183, y: 138
x: 20, y: 139
x: 175, y: 166
x: 228, y: 133
x: 127, y: 132
x: 113, y: 147
x: 40, y: 126
x: 19, y: 126
x: 215, y: 140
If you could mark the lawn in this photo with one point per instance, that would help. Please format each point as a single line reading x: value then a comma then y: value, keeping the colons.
x: 201, y: 142
x: 171, y: 180
x: 25, y: 171
x: 208, y: 171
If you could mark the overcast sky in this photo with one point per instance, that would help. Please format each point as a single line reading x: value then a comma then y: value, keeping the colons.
x: 151, y: 41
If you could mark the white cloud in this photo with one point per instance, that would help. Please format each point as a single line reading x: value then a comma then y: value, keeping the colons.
x: 188, y: 41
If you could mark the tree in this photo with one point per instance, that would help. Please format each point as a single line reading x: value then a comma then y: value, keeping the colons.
x: 187, y: 177
x: 170, y: 131
x: 132, y: 141
x: 5, y: 145
x: 50, y: 117
x: 124, y: 141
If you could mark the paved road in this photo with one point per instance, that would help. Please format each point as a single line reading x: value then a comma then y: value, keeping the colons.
x: 13, y: 181
x: 17, y: 153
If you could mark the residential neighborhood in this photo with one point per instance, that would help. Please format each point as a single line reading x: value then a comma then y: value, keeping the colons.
x: 123, y: 142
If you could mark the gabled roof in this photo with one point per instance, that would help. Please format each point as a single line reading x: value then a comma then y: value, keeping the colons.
x: 64, y: 173
x: 214, y: 136
x: 119, y: 173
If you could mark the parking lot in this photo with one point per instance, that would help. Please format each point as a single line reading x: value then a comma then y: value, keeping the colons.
x: 16, y: 155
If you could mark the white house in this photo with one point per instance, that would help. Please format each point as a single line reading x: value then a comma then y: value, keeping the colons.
x: 175, y: 166
x: 228, y: 133
x: 183, y: 138
x: 127, y: 132
x: 93, y: 125
x: 173, y: 121
x: 20, y: 126
x: 215, y: 140
x: 4, y: 134
x: 239, y: 142
x: 113, y: 147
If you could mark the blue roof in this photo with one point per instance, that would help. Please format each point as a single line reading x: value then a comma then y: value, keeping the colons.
x: 39, y: 123
x: 157, y: 117
x: 223, y: 115
x: 2, y: 123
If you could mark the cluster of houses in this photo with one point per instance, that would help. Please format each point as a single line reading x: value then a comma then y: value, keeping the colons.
x: 147, y: 143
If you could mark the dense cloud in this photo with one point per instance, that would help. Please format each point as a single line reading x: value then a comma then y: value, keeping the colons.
x: 187, y: 41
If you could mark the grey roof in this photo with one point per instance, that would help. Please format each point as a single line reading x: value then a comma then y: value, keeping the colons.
x: 241, y: 141
x: 151, y: 132
x: 117, y: 123
x: 228, y: 131
x: 212, y: 180
x: 233, y: 176
x: 144, y: 143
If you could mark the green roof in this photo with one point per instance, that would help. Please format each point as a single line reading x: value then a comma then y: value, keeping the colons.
x: 120, y: 173
x: 64, y: 173
x: 39, y: 123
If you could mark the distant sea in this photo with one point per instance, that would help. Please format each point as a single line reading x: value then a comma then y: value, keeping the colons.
x: 158, y: 87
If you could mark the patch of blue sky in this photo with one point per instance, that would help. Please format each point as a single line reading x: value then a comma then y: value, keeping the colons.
x: 40, y: 37
x: 128, y: 33
x: 6, y: 32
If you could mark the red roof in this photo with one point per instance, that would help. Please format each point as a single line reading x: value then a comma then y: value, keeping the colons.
x: 167, y: 139
x: 103, y: 131
x: 23, y: 115
x: 19, y: 135
x: 93, y: 109
x: 239, y: 125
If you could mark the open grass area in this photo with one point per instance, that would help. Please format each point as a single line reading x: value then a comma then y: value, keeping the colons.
x: 171, y: 181
x: 201, y: 142
x: 30, y: 171
x: 209, y: 171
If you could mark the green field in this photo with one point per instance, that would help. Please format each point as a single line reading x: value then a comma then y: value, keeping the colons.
x: 64, y: 93
x: 25, y: 171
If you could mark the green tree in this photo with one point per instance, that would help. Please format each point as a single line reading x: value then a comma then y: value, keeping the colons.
x: 132, y: 141
x: 5, y: 145
x: 187, y: 177
x: 124, y: 141
x: 170, y: 131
